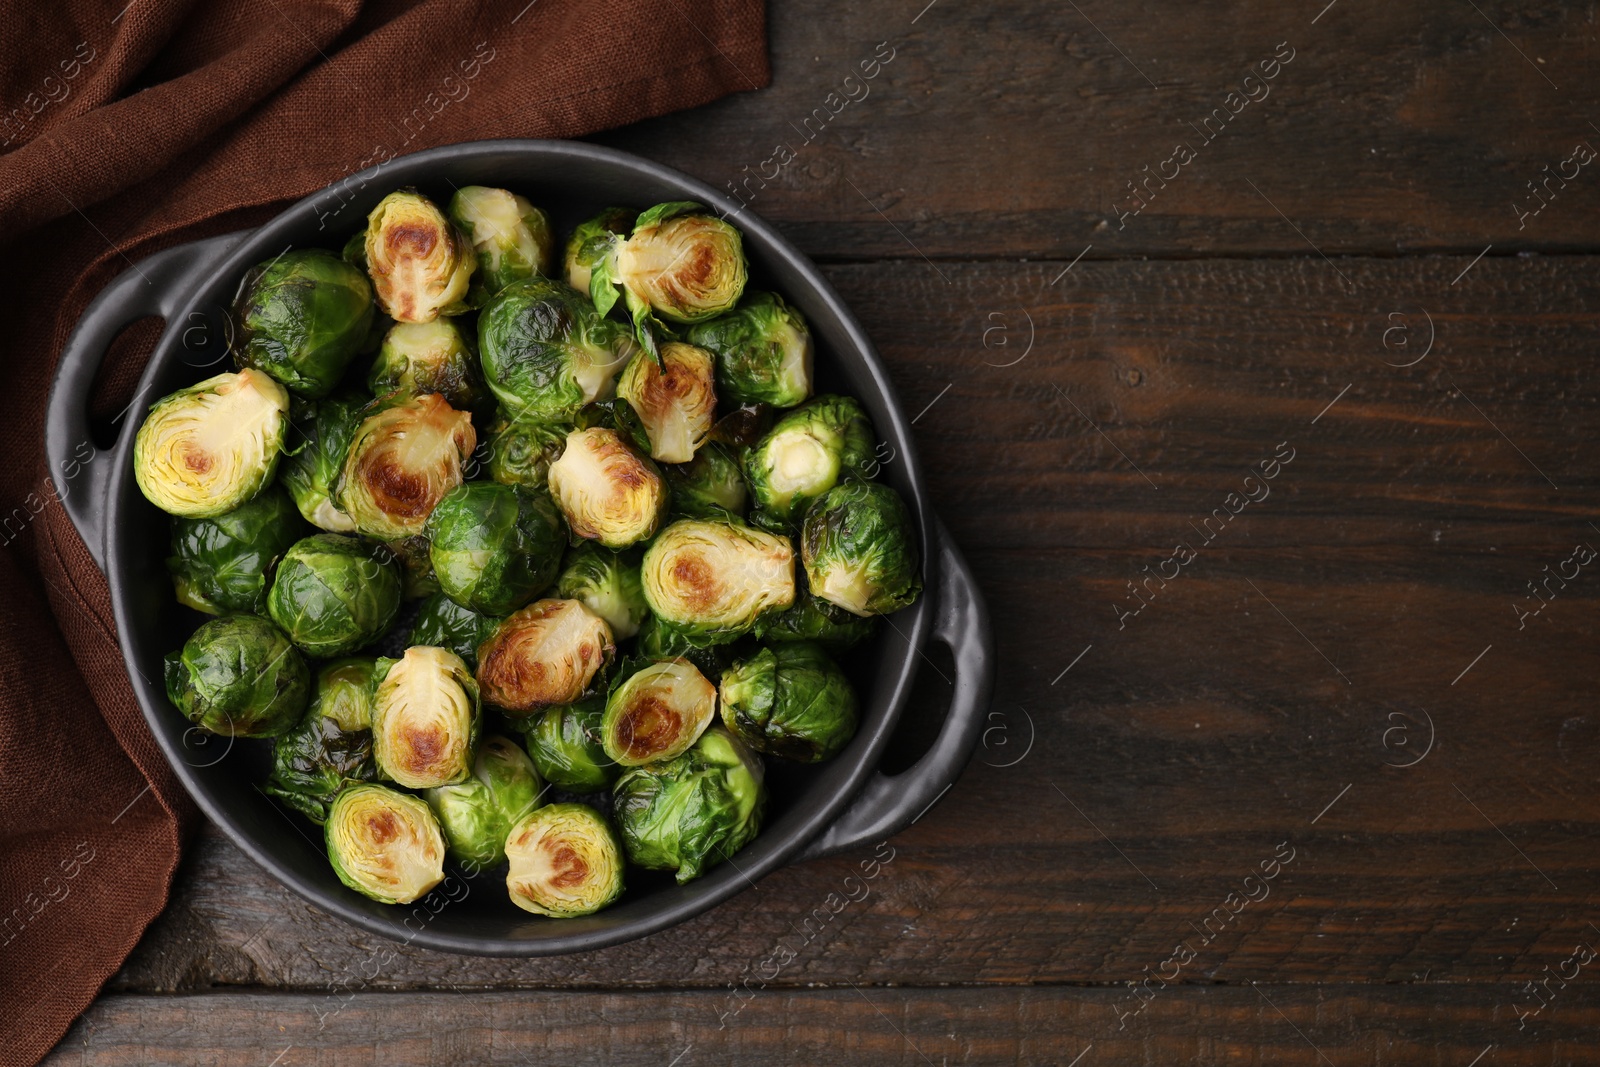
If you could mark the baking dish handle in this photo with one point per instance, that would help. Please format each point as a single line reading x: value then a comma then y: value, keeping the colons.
x: 889, y: 804
x: 155, y: 286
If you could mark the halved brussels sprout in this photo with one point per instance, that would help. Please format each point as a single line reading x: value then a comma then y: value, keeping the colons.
x: 425, y: 717
x: 420, y: 264
x: 763, y: 351
x: 593, y: 242
x: 521, y: 450
x: 333, y: 593
x: 443, y: 622
x: 204, y: 450
x: 711, y: 580
x: 220, y: 565
x: 332, y: 746
x: 657, y: 713
x: 710, y: 486
x: 810, y: 618
x: 565, y: 862
x: 319, y: 442
x: 418, y: 358
x: 607, y: 491
x: 688, y: 813
x: 545, y: 654
x: 416, y: 566
x: 608, y: 584
x: 860, y: 549
x: 383, y: 844
x: 804, y: 455
x: 679, y: 263
x: 790, y: 700
x: 477, y: 814
x: 401, y: 461
x: 674, y: 398
x: 564, y: 744
x: 495, y: 547
x: 512, y: 238
x: 545, y: 351
x: 239, y: 677
x: 302, y: 318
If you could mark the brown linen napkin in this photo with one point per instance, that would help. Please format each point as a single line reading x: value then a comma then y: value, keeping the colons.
x: 129, y: 127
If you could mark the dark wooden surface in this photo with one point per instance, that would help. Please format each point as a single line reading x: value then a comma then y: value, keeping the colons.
x: 1340, y: 674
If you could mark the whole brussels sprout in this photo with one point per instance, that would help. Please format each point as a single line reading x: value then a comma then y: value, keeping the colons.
x: 608, y: 584
x: 331, y: 747
x: 319, y: 444
x: 383, y: 844
x: 859, y: 549
x: 477, y: 814
x: 710, y: 486
x: 564, y: 744
x: 418, y: 358
x: 547, y: 653
x: 239, y: 677
x: 334, y: 593
x: 657, y: 640
x: 204, y: 450
x: 520, y: 451
x: 425, y: 718
x: 711, y: 580
x: 688, y: 813
x: 673, y: 397
x: 763, y: 352
x: 420, y: 264
x: 545, y: 351
x: 810, y: 618
x: 495, y: 547
x: 302, y: 318
x: 401, y: 461
x: 565, y: 862
x: 791, y: 701
x: 513, y: 239
x: 416, y: 566
x: 446, y: 624
x: 220, y: 565
x: 804, y: 455
x: 657, y: 713
x: 607, y: 491
x: 593, y: 242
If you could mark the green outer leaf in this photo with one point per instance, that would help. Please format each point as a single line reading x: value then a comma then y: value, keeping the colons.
x: 445, y: 624
x: 429, y: 357
x: 710, y: 486
x: 333, y: 594
x: 301, y: 318
x: 836, y: 429
x: 328, y: 749
x: 859, y: 549
x: 608, y: 583
x: 321, y: 439
x: 564, y: 744
x: 545, y: 351
x: 752, y: 344
x: 810, y: 618
x: 790, y: 701
x: 662, y: 212
x: 238, y: 676
x: 220, y: 565
x: 495, y: 547
x: 520, y: 451
x: 477, y: 814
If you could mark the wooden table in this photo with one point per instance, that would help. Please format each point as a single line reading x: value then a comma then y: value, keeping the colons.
x: 1290, y: 769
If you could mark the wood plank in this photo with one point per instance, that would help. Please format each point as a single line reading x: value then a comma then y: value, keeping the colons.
x: 1016, y: 129
x: 1439, y: 1024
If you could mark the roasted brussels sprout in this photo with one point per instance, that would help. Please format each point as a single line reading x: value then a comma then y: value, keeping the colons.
x: 688, y: 813
x: 334, y: 593
x: 565, y: 862
x: 401, y: 461
x: 220, y: 565
x: 711, y: 580
x: 477, y: 814
x: 331, y: 747
x: 710, y: 486
x: 805, y: 454
x: 425, y: 718
x: 383, y: 844
x: 608, y: 584
x: 657, y: 640
x: 204, y: 450
x: 810, y: 618
x: 418, y: 358
x: 657, y: 713
x: 238, y: 676
x: 564, y: 744
x: 790, y: 700
x: 495, y: 547
x: 302, y: 318
x: 860, y: 549
x: 446, y: 624
x: 521, y: 451
x: 545, y: 654
x: 763, y: 352
x: 673, y: 397
x: 545, y: 351
x: 420, y: 264
x: 511, y: 238
x: 679, y: 263
x: 593, y: 242
x: 416, y: 566
x: 607, y: 491
x: 319, y: 442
